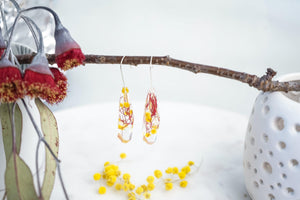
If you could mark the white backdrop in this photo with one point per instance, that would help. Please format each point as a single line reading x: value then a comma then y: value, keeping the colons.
x: 247, y: 36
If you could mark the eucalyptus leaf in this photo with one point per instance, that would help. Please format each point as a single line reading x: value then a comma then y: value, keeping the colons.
x: 50, y: 131
x: 18, y: 180
x: 5, y: 115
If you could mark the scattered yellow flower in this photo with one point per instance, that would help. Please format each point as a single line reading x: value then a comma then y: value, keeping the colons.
x: 169, y: 186
x: 169, y: 170
x: 106, y: 163
x: 151, y: 186
x: 102, y: 190
x: 183, y: 184
x: 181, y: 175
x: 157, y: 173
x: 97, y: 176
x: 144, y: 188
x: 121, y: 105
x: 126, y: 177
x: 131, y: 186
x: 147, y: 135
x: 175, y: 170
x: 186, y: 169
x: 118, y: 186
x: 147, y: 195
x: 150, y: 179
x: 190, y: 163
x: 139, y: 190
x: 123, y: 155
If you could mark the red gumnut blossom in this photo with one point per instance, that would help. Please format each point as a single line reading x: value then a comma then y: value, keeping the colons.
x: 11, y: 84
x: 39, y: 80
x: 61, y: 82
x: 68, y: 53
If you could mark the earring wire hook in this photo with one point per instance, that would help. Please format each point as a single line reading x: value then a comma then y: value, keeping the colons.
x: 150, y: 68
x: 122, y: 75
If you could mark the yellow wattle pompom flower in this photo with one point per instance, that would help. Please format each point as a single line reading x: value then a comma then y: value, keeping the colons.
x: 131, y: 186
x: 112, y: 179
x: 120, y: 127
x: 102, y: 190
x: 150, y: 179
x: 139, y: 190
x: 186, y: 169
x: 175, y: 170
x: 109, y: 183
x: 118, y: 186
x: 144, y: 188
x: 147, y: 135
x: 121, y: 105
x: 157, y: 173
x: 169, y: 186
x: 190, y: 163
x: 106, y: 163
x: 147, y: 195
x: 183, y: 184
x: 123, y: 155
x: 169, y: 170
x: 97, y: 176
x: 131, y: 195
x: 181, y: 175
x: 125, y: 89
x: 126, y: 177
x: 126, y: 187
x: 151, y: 186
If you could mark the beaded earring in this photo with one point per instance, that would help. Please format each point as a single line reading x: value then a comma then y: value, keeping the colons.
x: 126, y: 118
x: 151, y: 115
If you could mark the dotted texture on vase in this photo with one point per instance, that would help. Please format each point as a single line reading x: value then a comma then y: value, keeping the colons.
x: 272, y: 148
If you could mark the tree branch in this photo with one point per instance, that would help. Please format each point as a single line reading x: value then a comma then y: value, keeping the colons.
x: 263, y: 83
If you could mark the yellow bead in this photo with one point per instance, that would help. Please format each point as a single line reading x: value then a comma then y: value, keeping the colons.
x: 157, y: 173
x: 183, y: 184
x: 139, y: 190
x: 121, y: 127
x: 190, y: 163
x: 169, y: 170
x: 126, y: 104
x: 169, y: 186
x: 151, y: 186
x: 123, y: 155
x: 102, y: 190
x: 175, y: 170
x: 150, y: 179
x: 118, y: 186
x: 181, y: 175
x: 153, y: 131
x: 97, y: 176
x: 125, y: 89
x: 147, y: 195
x: 148, y: 116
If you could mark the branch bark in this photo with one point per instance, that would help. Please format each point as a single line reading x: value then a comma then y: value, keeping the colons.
x: 264, y: 83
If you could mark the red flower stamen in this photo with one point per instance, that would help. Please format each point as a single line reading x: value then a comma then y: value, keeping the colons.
x: 61, y: 82
x: 70, y: 59
x: 11, y: 87
x: 39, y: 80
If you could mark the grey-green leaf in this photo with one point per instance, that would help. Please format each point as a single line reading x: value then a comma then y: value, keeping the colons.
x: 50, y: 131
x: 5, y: 115
x: 18, y: 180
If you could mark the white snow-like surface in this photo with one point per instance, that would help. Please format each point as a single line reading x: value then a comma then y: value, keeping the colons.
x: 211, y: 137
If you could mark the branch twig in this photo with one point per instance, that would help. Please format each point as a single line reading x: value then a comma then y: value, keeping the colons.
x: 263, y: 83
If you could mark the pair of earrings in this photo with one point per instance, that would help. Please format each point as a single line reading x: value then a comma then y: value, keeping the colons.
x: 151, y: 119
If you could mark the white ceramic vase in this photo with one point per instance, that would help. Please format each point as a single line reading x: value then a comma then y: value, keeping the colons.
x: 272, y: 146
